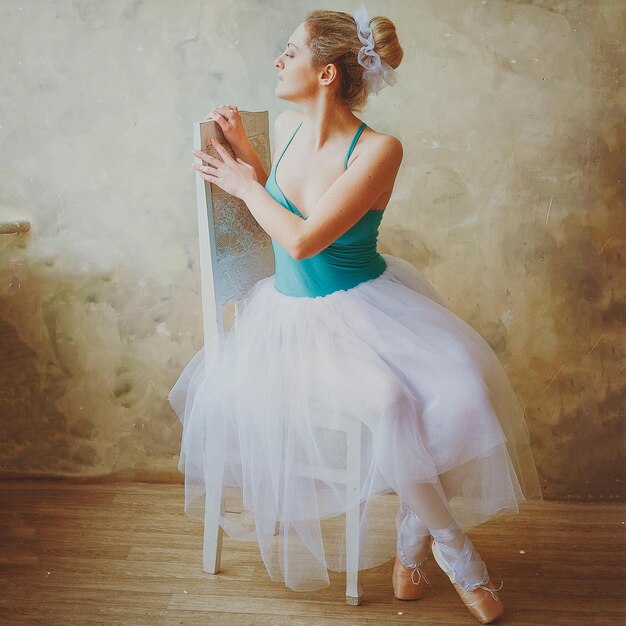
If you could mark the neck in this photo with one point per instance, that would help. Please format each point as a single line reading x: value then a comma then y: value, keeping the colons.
x: 325, y: 123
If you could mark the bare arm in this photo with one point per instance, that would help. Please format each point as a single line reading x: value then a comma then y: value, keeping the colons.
x: 351, y: 196
x: 278, y: 222
x: 229, y: 120
x: 343, y: 205
x: 244, y: 177
x: 247, y: 153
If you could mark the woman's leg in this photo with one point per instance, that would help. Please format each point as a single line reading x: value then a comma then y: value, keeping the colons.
x: 428, y: 505
x: 413, y: 541
x: 431, y: 511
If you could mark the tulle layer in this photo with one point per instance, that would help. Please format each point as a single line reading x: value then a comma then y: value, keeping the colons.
x: 310, y: 407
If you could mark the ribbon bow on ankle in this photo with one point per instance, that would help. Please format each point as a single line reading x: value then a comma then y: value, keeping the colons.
x: 421, y: 575
x: 493, y: 590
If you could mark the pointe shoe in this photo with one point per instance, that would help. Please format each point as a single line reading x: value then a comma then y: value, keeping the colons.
x: 407, y: 580
x: 482, y: 601
x: 406, y: 585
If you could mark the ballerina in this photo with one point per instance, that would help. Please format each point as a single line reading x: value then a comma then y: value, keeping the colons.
x: 356, y: 332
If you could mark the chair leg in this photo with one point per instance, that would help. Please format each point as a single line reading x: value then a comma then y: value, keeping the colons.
x: 212, y: 549
x: 354, y: 590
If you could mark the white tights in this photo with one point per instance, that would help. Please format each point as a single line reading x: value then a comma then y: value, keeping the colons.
x: 424, y: 513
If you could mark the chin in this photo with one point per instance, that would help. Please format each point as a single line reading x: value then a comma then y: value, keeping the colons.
x: 282, y: 96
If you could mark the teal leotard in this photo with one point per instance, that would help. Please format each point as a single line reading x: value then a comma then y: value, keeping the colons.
x: 348, y: 261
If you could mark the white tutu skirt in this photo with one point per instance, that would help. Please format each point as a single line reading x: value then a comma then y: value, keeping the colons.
x: 310, y: 407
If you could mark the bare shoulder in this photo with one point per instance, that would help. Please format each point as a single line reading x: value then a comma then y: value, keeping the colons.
x: 285, y: 122
x: 288, y: 118
x: 383, y: 141
x: 381, y: 147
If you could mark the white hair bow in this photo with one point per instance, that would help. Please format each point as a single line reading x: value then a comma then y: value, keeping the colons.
x: 377, y: 73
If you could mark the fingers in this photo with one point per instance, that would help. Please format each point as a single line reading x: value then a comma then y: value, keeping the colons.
x: 213, y: 166
x: 220, y: 111
x: 226, y: 157
x: 206, y: 169
x: 242, y: 162
x: 223, y: 112
x: 209, y: 178
x: 206, y: 157
x: 222, y: 151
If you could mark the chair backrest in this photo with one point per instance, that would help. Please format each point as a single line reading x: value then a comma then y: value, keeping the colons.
x: 235, y: 252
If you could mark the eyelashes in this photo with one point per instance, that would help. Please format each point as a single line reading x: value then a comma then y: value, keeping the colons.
x: 285, y: 52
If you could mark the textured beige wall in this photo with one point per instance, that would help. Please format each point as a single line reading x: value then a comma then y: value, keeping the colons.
x: 509, y: 199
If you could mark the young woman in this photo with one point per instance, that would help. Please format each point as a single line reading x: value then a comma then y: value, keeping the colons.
x: 343, y: 331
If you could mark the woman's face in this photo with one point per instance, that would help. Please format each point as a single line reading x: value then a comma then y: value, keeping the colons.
x: 297, y: 79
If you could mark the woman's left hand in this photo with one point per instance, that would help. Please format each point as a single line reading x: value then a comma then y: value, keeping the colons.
x: 231, y: 175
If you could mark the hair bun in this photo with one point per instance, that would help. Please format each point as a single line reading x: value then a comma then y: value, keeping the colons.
x: 333, y: 38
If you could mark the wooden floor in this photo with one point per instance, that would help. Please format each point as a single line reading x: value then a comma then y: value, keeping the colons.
x: 127, y: 554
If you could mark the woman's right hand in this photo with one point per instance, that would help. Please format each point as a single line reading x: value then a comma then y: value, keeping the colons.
x: 229, y: 120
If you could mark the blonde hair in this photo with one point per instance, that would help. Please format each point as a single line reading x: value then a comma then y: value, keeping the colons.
x: 333, y: 38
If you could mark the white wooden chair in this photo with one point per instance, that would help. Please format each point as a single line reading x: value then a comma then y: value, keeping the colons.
x: 235, y: 252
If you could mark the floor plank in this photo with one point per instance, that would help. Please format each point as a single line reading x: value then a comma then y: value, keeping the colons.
x: 106, y: 553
